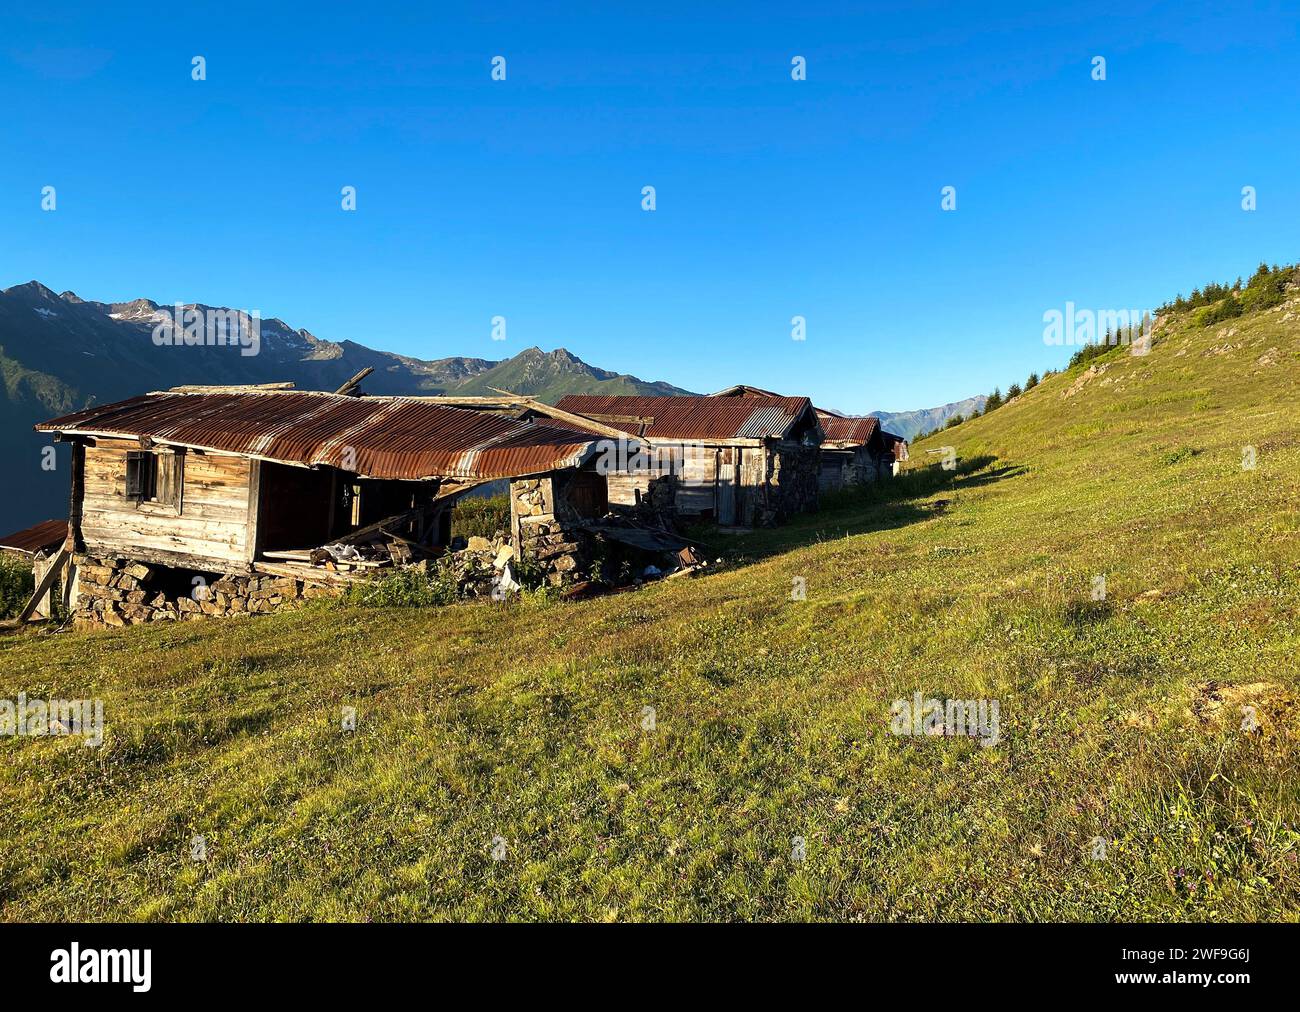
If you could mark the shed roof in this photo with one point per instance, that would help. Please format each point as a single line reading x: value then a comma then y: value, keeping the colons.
x: 39, y: 537
x: 849, y: 429
x: 841, y: 430
x: 390, y: 437
x: 717, y: 418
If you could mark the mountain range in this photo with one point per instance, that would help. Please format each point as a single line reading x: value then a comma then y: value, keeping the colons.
x: 910, y: 424
x: 60, y: 353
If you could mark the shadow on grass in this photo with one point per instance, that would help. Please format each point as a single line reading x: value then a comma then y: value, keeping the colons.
x: 882, y: 505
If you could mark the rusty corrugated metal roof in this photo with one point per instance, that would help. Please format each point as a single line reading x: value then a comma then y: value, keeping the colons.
x: 389, y: 437
x: 695, y: 417
x: 850, y: 429
x: 44, y: 536
x: 839, y: 428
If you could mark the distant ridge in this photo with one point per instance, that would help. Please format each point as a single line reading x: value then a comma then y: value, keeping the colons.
x: 909, y: 424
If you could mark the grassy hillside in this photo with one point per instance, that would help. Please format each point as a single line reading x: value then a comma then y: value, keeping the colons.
x: 1120, y: 718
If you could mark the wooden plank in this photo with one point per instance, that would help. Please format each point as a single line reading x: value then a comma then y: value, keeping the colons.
x: 70, y: 586
x: 310, y: 574
x: 194, y: 388
x: 45, y: 584
x: 290, y: 555
x: 253, y: 510
x: 44, y: 608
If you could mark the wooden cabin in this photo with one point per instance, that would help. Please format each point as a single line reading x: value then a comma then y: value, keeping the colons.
x: 750, y: 462
x: 853, y: 452
x: 221, y: 481
x: 38, y: 546
x: 854, y: 449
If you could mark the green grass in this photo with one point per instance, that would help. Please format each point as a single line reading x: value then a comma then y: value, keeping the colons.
x: 16, y: 584
x: 1121, y: 718
x: 484, y: 518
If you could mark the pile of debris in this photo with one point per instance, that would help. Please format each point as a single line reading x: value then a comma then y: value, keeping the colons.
x: 400, y: 540
x: 482, y: 567
x: 630, y: 553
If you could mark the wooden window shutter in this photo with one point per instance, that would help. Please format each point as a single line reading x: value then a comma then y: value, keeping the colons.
x: 137, y: 474
x: 170, y: 468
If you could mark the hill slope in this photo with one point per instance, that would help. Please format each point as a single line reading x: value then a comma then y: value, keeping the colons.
x: 1126, y: 783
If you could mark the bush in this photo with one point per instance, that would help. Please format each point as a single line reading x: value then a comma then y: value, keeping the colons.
x: 1267, y: 289
x: 16, y: 585
x: 480, y: 517
x: 1224, y: 309
x: 405, y: 588
x: 1090, y: 351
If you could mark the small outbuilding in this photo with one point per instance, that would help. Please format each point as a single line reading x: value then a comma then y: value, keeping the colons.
x: 748, y: 462
x: 39, y: 539
x: 855, y: 449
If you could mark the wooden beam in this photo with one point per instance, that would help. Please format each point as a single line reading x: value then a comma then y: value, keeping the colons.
x: 549, y: 411
x: 450, y: 490
x: 227, y: 388
x: 46, y: 583
x: 253, y: 525
x: 349, y: 389
x: 309, y: 574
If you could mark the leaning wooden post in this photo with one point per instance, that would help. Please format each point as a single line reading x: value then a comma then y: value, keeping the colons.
x: 45, y: 583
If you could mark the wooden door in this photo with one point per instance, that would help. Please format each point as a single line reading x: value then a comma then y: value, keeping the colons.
x: 728, y: 472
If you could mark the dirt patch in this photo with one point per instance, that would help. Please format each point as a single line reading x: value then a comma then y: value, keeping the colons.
x: 1264, y: 708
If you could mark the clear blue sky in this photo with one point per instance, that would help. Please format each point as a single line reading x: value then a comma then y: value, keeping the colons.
x: 776, y: 198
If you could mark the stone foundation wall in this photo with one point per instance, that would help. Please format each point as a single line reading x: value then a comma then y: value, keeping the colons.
x: 792, y: 472
x: 544, y: 534
x: 118, y: 592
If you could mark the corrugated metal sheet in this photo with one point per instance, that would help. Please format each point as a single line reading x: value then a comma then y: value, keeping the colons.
x: 839, y: 428
x: 45, y: 535
x: 388, y: 437
x: 850, y: 429
x: 695, y: 417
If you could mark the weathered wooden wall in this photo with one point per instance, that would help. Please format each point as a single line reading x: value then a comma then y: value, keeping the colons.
x: 212, y: 525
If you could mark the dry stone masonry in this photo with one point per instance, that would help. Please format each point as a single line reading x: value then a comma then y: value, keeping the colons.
x: 118, y: 592
x: 544, y: 534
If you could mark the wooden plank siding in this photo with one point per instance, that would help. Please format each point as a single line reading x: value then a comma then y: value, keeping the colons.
x: 213, y: 519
